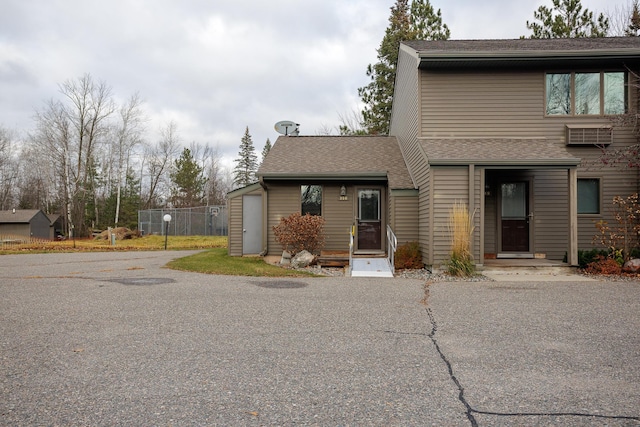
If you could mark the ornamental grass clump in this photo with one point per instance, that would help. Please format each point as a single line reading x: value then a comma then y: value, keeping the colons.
x: 461, y: 230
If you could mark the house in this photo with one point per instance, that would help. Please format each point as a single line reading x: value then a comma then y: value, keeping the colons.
x: 358, y: 180
x: 507, y: 127
x: 25, y: 223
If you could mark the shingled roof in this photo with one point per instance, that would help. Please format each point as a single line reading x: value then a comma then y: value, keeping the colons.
x: 336, y: 157
x: 19, y: 216
x: 525, y: 52
x: 497, y: 152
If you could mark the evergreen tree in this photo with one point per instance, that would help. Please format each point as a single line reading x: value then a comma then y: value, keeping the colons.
x: 247, y: 163
x: 427, y: 23
x: 419, y: 21
x: 567, y: 19
x: 634, y: 21
x: 187, y: 189
x: 266, y: 149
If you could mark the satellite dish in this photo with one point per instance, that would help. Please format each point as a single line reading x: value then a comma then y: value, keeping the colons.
x: 287, y: 127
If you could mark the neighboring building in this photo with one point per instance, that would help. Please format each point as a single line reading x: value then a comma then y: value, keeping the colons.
x: 25, y: 223
x: 502, y: 125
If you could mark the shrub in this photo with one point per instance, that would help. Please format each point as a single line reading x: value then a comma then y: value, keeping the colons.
x: 623, y: 237
x: 604, y: 266
x: 587, y: 257
x: 408, y: 256
x: 461, y: 228
x: 297, y: 233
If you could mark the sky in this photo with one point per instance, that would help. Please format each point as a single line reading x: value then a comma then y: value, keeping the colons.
x: 216, y: 67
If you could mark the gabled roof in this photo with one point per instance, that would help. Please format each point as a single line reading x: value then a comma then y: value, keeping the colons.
x: 336, y: 158
x: 20, y: 216
x: 594, y: 51
x: 512, y: 152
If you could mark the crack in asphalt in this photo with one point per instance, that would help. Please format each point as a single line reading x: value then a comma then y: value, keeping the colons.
x: 432, y: 336
x: 470, y: 411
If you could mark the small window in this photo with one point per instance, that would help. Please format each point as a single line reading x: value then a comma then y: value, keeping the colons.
x: 588, y: 196
x: 311, y: 199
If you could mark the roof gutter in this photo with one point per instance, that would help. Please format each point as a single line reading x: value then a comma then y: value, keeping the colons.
x: 327, y: 176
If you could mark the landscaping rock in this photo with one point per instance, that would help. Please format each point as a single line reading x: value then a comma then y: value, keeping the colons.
x: 631, y: 266
x: 302, y: 259
x: 286, y: 258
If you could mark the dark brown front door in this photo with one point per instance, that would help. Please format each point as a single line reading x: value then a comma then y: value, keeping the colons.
x: 368, y: 220
x: 515, y: 216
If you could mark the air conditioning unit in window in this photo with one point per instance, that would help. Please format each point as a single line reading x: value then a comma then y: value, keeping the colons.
x: 589, y: 135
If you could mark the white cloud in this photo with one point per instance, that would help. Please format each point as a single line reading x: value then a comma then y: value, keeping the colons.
x: 215, y: 67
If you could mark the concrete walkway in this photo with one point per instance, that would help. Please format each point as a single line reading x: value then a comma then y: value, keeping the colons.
x: 117, y: 339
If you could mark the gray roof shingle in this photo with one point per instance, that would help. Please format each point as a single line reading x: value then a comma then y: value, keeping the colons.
x: 544, y: 46
x: 297, y: 157
x: 21, y: 216
x: 497, y: 151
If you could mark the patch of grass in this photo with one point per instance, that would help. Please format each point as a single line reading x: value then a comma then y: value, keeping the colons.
x: 217, y: 261
x: 146, y: 243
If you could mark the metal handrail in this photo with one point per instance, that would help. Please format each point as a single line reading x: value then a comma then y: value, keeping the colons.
x: 392, y: 245
x: 351, y: 237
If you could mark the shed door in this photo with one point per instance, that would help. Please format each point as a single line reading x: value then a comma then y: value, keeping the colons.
x: 369, y: 220
x: 251, y: 224
x: 515, y: 216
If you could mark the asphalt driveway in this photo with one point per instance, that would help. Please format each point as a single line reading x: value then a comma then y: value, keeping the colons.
x: 116, y: 339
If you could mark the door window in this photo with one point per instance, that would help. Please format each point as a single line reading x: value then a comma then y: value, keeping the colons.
x: 369, y: 205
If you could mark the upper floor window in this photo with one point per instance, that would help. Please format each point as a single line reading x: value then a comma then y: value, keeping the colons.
x: 598, y: 93
x: 311, y: 199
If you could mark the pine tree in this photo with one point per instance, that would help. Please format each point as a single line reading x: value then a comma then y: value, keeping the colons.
x: 567, y: 19
x: 266, y: 149
x: 634, y: 21
x: 247, y: 163
x: 188, y: 182
x: 427, y: 23
x: 419, y: 21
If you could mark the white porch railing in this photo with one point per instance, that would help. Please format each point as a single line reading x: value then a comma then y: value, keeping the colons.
x: 392, y: 245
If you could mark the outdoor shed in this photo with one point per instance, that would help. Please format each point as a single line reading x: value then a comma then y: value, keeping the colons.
x: 25, y: 223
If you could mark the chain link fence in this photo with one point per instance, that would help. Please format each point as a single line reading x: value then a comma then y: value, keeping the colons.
x: 199, y: 221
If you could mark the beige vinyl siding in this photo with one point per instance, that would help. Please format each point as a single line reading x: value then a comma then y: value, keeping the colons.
x: 611, y: 184
x: 234, y: 206
x: 404, y: 216
x: 511, y: 105
x: 339, y: 217
x: 551, y: 213
x: 450, y: 185
x: 235, y: 226
x: 284, y: 199
x: 475, y: 210
x: 405, y: 125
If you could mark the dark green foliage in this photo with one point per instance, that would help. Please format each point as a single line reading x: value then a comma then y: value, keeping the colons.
x: 408, y: 256
x: 586, y: 257
x: 247, y: 162
x: 419, y: 21
x: 567, y: 19
x: 187, y: 182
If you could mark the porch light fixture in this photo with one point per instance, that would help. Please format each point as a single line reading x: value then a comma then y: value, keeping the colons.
x: 343, y: 193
